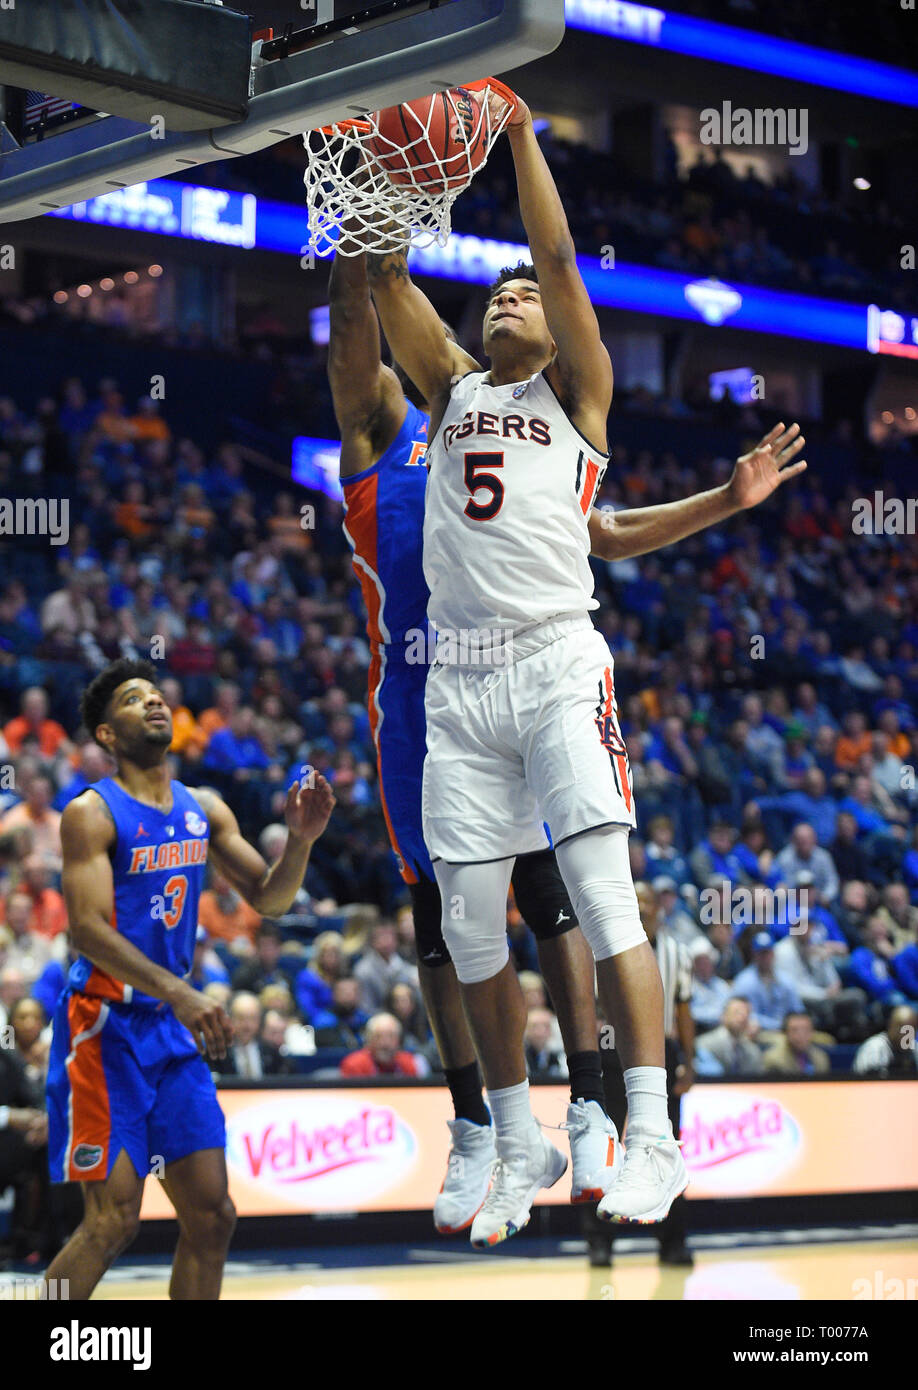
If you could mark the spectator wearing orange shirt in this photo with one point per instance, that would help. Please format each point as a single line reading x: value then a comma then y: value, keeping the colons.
x: 188, y: 738
x: 112, y: 420
x: 49, y: 913
x: 853, y: 743
x: 221, y: 712
x: 133, y: 515
x: 148, y: 423
x: 38, y: 815
x: 33, y: 722
x: 194, y: 516
x: 286, y: 525
x: 225, y: 915
x: 890, y: 725
x: 382, y: 1056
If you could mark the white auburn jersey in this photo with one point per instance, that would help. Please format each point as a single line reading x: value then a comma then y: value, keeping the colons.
x: 510, y: 486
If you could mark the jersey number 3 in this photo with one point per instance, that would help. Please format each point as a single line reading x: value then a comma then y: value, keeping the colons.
x: 478, y: 479
x: 176, y: 889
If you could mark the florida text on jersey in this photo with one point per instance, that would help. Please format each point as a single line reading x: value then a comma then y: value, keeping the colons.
x: 159, y: 866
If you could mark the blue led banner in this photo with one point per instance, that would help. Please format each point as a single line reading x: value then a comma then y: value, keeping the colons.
x: 316, y: 463
x: 741, y: 48
x: 174, y: 209
x: 241, y: 220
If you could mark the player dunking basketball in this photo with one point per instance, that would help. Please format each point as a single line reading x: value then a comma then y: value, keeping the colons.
x: 515, y: 460
x: 384, y: 438
x: 128, y: 1091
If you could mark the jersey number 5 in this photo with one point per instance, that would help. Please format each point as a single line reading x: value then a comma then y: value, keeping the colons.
x: 477, y: 480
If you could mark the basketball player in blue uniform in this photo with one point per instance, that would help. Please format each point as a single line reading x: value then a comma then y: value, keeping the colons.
x: 129, y: 1092
x: 384, y: 422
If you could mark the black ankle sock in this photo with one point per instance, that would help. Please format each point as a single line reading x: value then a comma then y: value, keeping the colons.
x: 465, y: 1088
x: 585, y: 1072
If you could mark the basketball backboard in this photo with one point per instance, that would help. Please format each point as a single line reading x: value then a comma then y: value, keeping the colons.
x: 382, y: 55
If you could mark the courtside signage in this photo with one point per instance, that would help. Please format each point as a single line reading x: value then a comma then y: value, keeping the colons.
x: 319, y: 1152
x: 385, y: 1148
x: 738, y: 1143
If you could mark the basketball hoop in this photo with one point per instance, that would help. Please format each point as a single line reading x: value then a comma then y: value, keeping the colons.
x: 394, y: 175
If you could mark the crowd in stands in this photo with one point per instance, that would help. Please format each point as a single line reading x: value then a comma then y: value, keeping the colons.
x: 706, y: 220
x: 767, y: 677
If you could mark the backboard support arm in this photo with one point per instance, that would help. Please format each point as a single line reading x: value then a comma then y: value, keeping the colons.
x: 289, y: 96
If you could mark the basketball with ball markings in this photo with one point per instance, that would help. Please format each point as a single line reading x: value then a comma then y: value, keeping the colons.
x: 434, y: 142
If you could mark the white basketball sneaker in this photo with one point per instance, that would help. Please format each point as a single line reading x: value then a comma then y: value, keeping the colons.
x: 468, y: 1176
x: 652, y: 1177
x: 518, y: 1175
x: 595, y: 1150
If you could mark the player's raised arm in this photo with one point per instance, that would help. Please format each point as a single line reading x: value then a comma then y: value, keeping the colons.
x: 582, y: 368
x: 414, y: 329
x: 269, y: 890
x: 87, y: 834
x: 368, y: 400
x: 621, y: 535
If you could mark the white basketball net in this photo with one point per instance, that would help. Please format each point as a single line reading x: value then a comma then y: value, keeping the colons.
x: 347, y: 182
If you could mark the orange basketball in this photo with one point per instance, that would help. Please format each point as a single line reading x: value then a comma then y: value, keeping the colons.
x: 439, y: 139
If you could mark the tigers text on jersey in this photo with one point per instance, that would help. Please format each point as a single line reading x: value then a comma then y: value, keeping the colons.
x: 159, y: 861
x: 509, y: 491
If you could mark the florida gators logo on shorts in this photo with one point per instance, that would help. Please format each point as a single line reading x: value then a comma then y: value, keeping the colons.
x: 86, y: 1156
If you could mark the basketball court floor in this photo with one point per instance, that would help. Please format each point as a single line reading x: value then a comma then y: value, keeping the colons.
x: 834, y: 1264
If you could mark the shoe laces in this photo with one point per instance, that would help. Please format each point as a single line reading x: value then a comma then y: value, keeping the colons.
x: 503, y: 1176
x: 578, y: 1125
x: 582, y: 1122
x: 638, y: 1156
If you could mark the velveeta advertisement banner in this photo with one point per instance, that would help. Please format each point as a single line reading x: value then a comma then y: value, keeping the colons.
x: 385, y: 1149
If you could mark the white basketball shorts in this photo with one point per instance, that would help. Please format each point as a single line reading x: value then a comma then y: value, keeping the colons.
x: 536, y: 740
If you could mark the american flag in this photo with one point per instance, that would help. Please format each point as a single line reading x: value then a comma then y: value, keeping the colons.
x: 42, y: 110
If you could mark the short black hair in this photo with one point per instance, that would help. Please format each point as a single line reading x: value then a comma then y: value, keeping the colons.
x: 96, y: 696
x: 521, y: 271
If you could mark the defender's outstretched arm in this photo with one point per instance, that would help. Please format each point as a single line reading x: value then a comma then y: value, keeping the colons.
x: 414, y: 329
x: 368, y: 400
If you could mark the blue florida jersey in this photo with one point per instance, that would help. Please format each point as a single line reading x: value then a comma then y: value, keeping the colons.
x: 385, y: 529
x: 159, y: 863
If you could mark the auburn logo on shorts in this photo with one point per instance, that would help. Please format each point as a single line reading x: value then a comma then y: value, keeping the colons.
x: 611, y: 738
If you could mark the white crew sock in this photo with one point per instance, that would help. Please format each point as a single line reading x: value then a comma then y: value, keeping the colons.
x: 648, y: 1117
x: 512, y: 1116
